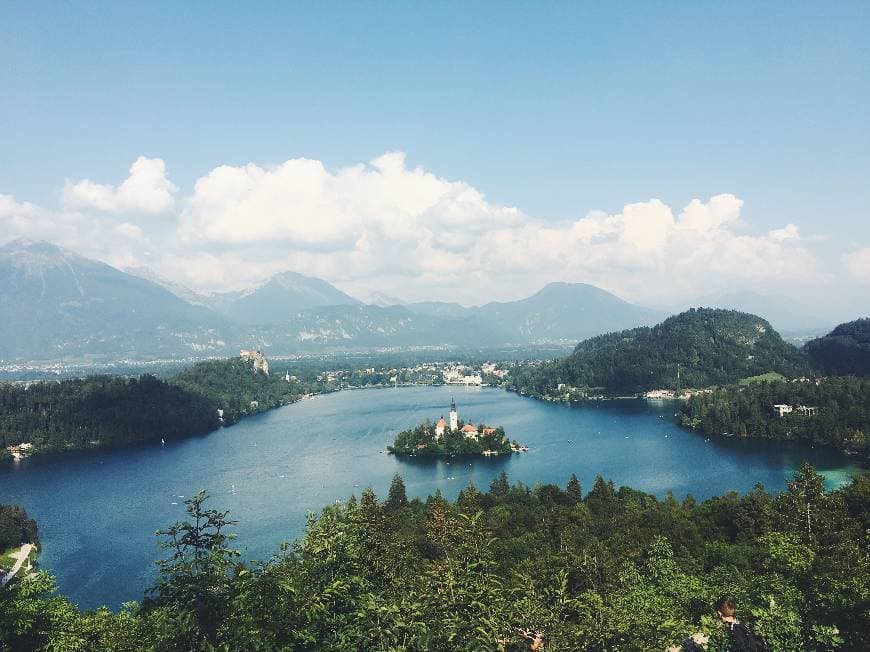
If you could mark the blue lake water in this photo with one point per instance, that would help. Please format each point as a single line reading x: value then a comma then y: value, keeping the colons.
x: 97, y: 512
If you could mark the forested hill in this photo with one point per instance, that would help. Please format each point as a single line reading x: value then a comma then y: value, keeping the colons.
x: 841, y: 418
x: 237, y: 387
x: 116, y: 411
x: 15, y: 528
x: 614, y: 569
x: 706, y: 346
x: 100, y: 411
x: 843, y: 351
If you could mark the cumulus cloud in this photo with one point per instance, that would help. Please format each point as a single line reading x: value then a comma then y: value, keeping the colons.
x: 858, y: 264
x: 788, y: 232
x: 304, y: 205
x: 403, y: 230
x: 146, y: 190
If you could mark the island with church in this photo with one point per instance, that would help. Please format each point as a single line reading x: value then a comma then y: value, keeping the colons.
x: 455, y: 437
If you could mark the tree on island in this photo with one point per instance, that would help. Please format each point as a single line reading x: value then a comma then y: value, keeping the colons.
x: 423, y: 441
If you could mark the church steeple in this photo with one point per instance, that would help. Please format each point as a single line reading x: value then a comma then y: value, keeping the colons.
x: 454, y: 418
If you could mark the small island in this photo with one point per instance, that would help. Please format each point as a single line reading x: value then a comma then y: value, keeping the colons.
x: 454, y: 438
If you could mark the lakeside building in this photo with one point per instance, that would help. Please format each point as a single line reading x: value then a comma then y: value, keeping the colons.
x: 20, y: 451
x: 781, y: 409
x: 661, y: 394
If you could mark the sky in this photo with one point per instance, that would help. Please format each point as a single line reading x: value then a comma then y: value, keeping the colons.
x: 448, y: 151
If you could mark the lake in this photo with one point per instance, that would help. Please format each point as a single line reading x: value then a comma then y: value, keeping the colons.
x: 97, y: 512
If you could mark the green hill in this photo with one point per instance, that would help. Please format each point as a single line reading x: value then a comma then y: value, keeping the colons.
x: 704, y: 346
x: 843, y: 351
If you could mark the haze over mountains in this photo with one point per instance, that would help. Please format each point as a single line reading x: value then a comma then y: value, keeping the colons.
x: 785, y: 314
x: 55, y: 304
x: 58, y: 305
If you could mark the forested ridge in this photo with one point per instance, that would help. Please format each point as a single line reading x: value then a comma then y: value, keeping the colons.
x: 842, y: 417
x: 237, y: 387
x: 614, y: 569
x: 117, y: 411
x: 843, y: 351
x: 697, y: 348
x: 100, y: 411
x: 15, y: 527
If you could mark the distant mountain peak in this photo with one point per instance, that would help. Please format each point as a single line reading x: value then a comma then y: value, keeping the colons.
x: 39, y: 255
x: 178, y: 289
x: 575, y: 289
x: 378, y: 298
x: 35, y: 246
x: 278, y: 298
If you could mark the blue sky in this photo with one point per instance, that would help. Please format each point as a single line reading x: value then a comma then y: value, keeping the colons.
x: 557, y: 109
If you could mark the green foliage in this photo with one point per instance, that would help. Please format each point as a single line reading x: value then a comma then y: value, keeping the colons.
x: 198, y: 581
x: 842, y: 419
x: 843, y: 351
x: 396, y: 499
x: 423, y: 441
x: 116, y: 411
x: 616, y: 570
x: 769, y: 377
x: 237, y: 388
x: 697, y: 348
x: 15, y: 527
x: 100, y: 411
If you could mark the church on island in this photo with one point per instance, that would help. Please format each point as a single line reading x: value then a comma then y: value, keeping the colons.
x: 468, y: 429
x: 452, y: 437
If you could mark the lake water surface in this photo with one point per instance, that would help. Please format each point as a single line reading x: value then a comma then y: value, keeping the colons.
x: 97, y: 512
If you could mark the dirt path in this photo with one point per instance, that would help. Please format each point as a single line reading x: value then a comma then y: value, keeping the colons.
x: 20, y: 556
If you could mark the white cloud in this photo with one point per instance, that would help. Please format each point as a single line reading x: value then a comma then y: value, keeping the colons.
x: 788, y: 232
x: 303, y: 205
x: 858, y: 264
x: 407, y: 232
x: 146, y: 190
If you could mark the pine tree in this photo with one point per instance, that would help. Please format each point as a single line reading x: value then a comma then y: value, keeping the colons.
x: 396, y: 498
x: 500, y: 485
x: 574, y: 491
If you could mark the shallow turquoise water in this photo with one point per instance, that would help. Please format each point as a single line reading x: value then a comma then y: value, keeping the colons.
x: 98, y: 512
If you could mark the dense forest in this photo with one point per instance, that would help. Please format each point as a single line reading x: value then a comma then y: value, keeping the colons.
x: 237, y: 387
x: 614, y: 569
x: 697, y: 348
x: 117, y: 411
x: 843, y: 351
x: 100, y: 411
x: 15, y: 527
x: 842, y: 417
x: 423, y: 442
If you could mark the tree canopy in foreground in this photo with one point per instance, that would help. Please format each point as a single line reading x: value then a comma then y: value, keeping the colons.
x: 614, y: 569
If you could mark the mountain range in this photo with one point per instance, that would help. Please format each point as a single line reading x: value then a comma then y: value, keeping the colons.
x: 55, y: 304
x: 58, y: 305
